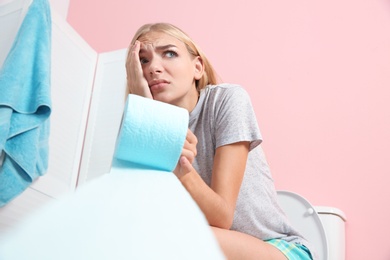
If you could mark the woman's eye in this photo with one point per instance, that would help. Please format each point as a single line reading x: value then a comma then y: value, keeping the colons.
x: 170, y: 54
x: 143, y: 60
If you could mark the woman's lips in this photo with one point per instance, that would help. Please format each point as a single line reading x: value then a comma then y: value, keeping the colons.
x: 158, y: 84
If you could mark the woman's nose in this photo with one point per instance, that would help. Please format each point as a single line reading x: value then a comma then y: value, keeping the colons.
x: 155, y: 66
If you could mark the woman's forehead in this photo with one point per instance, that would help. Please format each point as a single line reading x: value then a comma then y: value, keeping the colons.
x: 153, y: 39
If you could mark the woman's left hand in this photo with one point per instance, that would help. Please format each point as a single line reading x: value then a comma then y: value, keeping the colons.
x: 187, y: 156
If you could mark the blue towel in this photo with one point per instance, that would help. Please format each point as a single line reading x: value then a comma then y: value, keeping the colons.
x: 25, y: 104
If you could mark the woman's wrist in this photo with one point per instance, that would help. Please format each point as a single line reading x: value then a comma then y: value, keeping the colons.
x: 140, y: 91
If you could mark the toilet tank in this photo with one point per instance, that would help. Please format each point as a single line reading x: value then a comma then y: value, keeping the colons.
x: 333, y: 220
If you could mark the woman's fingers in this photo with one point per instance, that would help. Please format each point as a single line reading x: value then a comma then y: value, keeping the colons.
x: 187, y: 156
x: 185, y: 166
x: 136, y: 81
x: 189, y: 149
x: 190, y: 155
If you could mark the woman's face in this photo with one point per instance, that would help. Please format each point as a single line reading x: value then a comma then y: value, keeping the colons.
x: 170, y: 69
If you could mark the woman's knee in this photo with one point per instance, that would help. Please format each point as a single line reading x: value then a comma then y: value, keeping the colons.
x: 237, y: 245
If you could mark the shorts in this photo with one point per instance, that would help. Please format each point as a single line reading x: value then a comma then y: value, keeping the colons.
x: 292, y: 251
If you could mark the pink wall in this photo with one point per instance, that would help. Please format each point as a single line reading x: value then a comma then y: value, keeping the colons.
x: 319, y: 76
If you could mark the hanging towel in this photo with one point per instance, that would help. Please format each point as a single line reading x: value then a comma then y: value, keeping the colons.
x: 25, y: 104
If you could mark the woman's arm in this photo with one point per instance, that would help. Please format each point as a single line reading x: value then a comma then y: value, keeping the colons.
x: 217, y: 202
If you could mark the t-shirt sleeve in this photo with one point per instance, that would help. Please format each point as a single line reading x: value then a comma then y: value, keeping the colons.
x: 235, y: 119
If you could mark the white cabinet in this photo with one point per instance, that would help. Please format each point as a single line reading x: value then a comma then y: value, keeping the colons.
x: 88, y: 96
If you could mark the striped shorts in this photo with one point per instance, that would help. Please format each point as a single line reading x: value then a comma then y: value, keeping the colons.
x: 292, y: 251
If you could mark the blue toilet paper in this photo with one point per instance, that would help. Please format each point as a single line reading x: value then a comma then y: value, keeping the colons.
x: 152, y: 133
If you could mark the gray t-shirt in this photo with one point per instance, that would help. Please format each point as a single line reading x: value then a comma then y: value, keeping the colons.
x: 224, y: 115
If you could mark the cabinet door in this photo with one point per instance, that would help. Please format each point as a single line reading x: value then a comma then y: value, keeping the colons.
x: 72, y: 77
x: 107, y: 104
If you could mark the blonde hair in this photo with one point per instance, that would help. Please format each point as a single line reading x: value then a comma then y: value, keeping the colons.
x: 209, y: 76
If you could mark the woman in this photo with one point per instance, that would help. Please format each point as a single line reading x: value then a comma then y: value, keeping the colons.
x: 222, y: 164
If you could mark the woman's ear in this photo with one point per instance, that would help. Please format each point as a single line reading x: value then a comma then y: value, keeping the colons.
x: 199, y: 68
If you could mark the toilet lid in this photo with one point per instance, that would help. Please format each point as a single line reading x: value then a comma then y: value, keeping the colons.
x: 306, y: 220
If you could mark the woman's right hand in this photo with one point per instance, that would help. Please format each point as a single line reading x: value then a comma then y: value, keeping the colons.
x: 136, y: 82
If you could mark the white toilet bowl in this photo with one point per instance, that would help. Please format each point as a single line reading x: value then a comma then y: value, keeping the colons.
x: 323, y: 227
x: 333, y: 220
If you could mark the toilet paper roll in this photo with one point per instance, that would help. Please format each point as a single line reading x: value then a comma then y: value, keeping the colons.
x: 152, y: 133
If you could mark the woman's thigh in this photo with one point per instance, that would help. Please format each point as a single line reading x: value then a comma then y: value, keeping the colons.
x: 237, y: 245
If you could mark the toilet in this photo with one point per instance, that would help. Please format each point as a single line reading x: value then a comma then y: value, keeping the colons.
x: 323, y: 227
